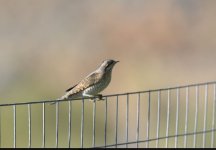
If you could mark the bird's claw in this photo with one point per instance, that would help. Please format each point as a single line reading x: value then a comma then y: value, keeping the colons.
x: 92, y: 100
x: 99, y: 96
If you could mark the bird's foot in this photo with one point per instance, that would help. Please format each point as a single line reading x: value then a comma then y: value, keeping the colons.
x: 92, y: 100
x: 99, y: 96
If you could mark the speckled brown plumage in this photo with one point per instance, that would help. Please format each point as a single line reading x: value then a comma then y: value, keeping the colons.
x: 92, y: 84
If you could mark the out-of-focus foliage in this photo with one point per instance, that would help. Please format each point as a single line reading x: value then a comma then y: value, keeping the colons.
x: 47, y: 46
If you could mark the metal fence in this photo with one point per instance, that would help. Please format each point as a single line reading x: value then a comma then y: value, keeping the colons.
x: 182, y: 116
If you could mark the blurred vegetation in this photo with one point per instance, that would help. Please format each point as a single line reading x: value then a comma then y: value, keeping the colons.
x: 47, y: 46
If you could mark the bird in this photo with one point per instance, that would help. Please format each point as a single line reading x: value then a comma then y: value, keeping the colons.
x: 92, y: 84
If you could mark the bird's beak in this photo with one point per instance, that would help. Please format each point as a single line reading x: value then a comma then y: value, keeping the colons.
x: 116, y: 61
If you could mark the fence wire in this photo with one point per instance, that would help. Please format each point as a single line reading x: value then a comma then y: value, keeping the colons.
x: 182, y: 116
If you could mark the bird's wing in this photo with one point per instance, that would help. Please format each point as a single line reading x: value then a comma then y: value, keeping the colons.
x: 90, y: 80
x: 70, y: 88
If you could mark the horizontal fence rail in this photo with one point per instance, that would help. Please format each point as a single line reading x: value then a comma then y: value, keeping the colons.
x: 182, y: 116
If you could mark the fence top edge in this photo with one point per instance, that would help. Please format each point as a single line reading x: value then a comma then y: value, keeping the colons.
x: 111, y: 95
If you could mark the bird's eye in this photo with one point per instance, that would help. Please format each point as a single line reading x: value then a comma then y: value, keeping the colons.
x: 109, y: 64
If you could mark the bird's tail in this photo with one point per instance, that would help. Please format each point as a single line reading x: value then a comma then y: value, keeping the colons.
x: 61, y: 98
x: 54, y: 102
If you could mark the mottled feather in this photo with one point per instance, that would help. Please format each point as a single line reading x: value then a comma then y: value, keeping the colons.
x: 90, y: 80
x: 70, y: 88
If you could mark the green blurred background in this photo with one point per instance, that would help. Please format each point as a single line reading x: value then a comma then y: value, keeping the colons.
x: 47, y: 46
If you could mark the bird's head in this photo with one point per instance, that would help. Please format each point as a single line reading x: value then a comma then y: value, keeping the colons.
x: 108, y: 64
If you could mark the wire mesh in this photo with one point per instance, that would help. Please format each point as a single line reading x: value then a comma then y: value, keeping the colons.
x: 182, y: 116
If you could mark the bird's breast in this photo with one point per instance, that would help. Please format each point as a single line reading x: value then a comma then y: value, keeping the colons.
x: 100, y: 86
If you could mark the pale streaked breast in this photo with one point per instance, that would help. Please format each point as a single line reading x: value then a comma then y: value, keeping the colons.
x: 97, y: 88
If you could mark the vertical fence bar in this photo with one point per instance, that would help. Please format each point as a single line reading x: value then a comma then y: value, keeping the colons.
x: 158, y: 118
x: 94, y: 120
x: 213, y: 117
x: 177, y: 117
x: 57, y: 122
x: 105, y: 122
x: 196, y: 116
x: 29, y: 125
x: 14, y: 115
x: 127, y: 119
x: 69, y: 124
x: 138, y: 118
x: 116, y: 126
x: 43, y: 142
x: 205, y: 115
x: 148, y: 120
x: 0, y: 130
x: 82, y: 123
x: 168, y: 117
x: 186, y: 117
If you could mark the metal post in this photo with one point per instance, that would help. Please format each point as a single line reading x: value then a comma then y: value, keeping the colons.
x: 196, y: 115
x: 168, y: 117
x: 138, y: 118
x: 105, y: 123
x: 0, y: 129
x: 43, y: 143
x: 57, y: 122
x: 82, y: 123
x: 205, y: 115
x: 186, y: 117
x: 127, y: 119
x: 158, y: 119
x: 14, y: 115
x: 177, y: 117
x: 29, y: 125
x: 69, y: 124
x: 116, y: 126
x: 148, y: 120
x: 94, y: 120
x: 213, y: 117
